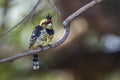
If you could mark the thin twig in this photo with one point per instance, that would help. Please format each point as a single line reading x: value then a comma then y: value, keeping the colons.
x: 56, y: 10
x: 67, y: 29
x: 53, y: 4
x: 21, y: 21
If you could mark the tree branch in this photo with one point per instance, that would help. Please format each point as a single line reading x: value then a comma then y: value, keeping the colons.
x: 29, y: 14
x: 66, y: 24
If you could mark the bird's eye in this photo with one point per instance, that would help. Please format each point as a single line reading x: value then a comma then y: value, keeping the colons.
x: 50, y: 24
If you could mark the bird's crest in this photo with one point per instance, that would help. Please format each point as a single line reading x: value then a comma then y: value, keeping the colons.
x: 49, y: 16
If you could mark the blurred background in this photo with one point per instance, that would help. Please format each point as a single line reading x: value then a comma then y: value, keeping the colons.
x: 91, y: 52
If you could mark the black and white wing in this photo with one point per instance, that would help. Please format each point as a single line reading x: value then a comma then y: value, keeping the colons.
x: 35, y: 34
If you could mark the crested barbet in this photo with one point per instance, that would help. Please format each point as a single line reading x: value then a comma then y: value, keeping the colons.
x: 42, y: 36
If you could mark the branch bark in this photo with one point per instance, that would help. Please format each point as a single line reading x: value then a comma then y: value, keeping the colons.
x: 66, y: 24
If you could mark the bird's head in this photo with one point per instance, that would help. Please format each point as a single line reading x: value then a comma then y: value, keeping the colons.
x: 47, y: 22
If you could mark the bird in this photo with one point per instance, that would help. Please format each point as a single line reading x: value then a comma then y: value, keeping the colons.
x: 41, y: 36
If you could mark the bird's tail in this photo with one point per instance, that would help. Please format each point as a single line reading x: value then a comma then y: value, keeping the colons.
x: 35, y: 61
